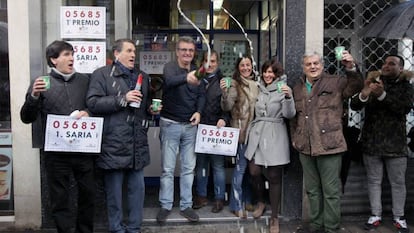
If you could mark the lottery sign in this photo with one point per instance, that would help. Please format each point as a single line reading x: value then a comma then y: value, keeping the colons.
x: 153, y: 62
x: 213, y: 140
x: 65, y: 133
x: 83, y: 22
x: 88, y: 55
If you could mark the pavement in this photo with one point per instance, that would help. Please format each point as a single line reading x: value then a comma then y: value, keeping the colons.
x: 230, y: 224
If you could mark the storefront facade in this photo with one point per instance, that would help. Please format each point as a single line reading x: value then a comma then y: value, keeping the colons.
x: 281, y: 28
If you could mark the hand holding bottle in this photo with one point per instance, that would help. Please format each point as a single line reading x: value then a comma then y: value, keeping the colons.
x: 134, y: 96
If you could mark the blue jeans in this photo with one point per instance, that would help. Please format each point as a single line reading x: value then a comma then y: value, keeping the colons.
x: 113, y: 180
x: 219, y: 176
x: 177, y: 138
x: 240, y: 191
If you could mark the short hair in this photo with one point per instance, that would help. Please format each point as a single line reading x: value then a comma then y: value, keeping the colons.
x: 54, y: 49
x: 277, y: 68
x: 313, y: 53
x: 185, y: 39
x: 395, y: 55
x: 118, y: 44
x: 205, y: 54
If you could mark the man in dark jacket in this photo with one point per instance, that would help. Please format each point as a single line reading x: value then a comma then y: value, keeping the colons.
x: 212, y: 115
x: 183, y: 101
x: 125, y: 151
x: 317, y: 135
x: 387, y: 98
x: 64, y: 94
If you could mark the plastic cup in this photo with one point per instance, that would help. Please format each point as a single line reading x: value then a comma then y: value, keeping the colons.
x: 228, y: 82
x: 279, y: 86
x: 338, y: 52
x: 156, y: 104
x: 46, y: 79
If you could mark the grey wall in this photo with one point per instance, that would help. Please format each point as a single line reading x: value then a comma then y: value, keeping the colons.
x: 295, y: 48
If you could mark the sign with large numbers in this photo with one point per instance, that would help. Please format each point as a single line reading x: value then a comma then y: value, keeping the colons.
x: 213, y: 140
x: 83, y: 22
x: 88, y: 55
x: 153, y: 62
x: 66, y: 133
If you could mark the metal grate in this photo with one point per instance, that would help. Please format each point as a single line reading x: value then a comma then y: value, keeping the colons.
x: 342, y: 22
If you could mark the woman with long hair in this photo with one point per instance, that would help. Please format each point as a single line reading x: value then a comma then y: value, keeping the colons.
x: 240, y: 99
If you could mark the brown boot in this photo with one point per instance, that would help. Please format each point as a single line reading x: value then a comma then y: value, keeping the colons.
x: 274, y: 225
x: 218, y: 206
x: 258, y: 212
x: 199, y: 201
x: 239, y: 213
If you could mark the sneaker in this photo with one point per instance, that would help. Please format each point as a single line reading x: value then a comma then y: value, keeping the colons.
x: 373, y: 222
x: 162, y: 215
x: 190, y: 214
x: 401, y: 225
x: 199, y: 202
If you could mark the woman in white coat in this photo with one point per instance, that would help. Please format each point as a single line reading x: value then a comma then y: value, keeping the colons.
x: 268, y: 142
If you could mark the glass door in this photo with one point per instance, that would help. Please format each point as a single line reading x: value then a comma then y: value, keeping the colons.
x: 232, y: 46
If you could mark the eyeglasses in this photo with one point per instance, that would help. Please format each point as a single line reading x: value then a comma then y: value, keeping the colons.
x: 185, y: 50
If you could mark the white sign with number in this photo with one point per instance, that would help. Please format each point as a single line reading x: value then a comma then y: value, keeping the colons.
x: 83, y: 22
x: 219, y: 141
x: 65, y: 133
x: 153, y: 62
x: 88, y: 55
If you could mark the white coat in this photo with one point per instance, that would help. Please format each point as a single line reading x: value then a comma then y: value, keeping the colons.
x: 268, y: 141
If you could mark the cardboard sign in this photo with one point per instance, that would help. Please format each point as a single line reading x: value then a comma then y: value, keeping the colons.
x: 83, y: 22
x: 153, y: 62
x: 88, y: 55
x: 65, y: 133
x: 219, y: 141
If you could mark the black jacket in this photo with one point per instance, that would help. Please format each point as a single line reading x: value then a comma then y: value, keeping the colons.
x: 212, y: 111
x: 124, y: 139
x: 384, y: 129
x: 62, y: 98
x: 180, y: 100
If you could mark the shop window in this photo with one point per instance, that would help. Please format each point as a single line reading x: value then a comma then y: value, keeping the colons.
x: 6, y: 180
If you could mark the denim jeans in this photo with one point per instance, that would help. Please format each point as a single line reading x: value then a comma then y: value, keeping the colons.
x: 113, y: 180
x: 177, y: 138
x: 396, y: 168
x: 323, y: 185
x: 219, y: 176
x: 240, y: 191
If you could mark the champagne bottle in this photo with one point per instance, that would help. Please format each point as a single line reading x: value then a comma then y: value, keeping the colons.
x: 201, y: 72
x: 138, y: 88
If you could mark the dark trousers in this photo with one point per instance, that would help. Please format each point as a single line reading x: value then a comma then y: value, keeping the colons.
x: 60, y: 167
x: 274, y: 176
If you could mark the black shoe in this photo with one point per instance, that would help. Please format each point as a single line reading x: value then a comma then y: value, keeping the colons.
x: 218, y: 206
x: 190, y: 214
x: 162, y: 215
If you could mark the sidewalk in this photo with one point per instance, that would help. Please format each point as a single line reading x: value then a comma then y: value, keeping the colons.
x: 177, y: 224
